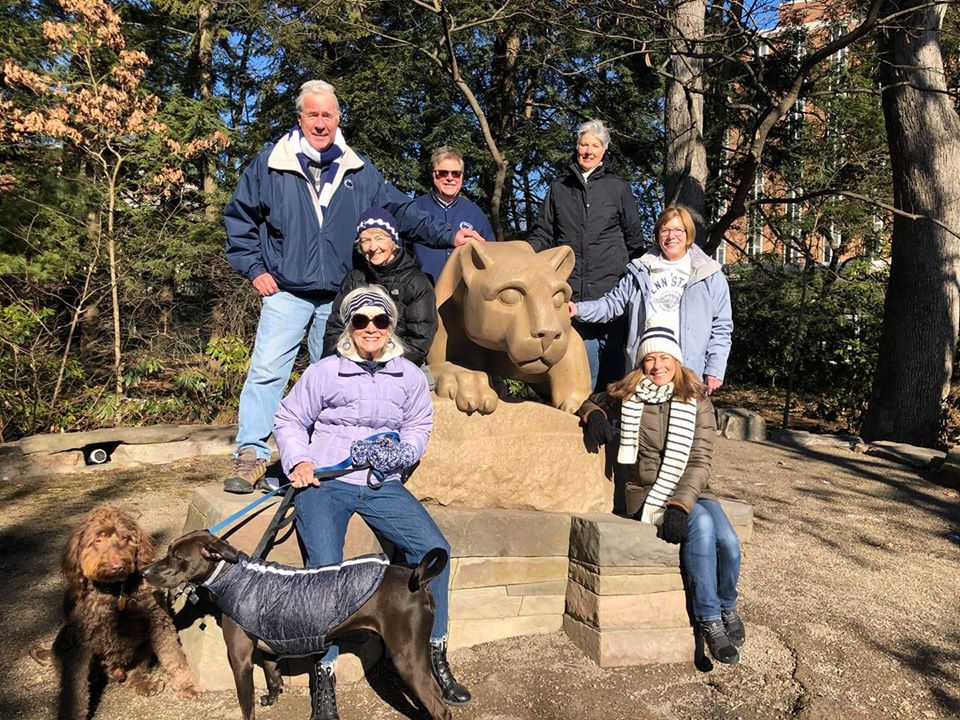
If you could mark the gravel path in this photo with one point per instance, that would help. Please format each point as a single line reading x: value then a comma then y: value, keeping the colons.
x: 849, y: 588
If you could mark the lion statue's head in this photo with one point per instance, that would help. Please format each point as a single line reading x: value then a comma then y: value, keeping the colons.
x: 514, y: 300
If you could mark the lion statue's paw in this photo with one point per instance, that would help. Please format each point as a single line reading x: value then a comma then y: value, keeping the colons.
x: 470, y: 389
x: 570, y: 405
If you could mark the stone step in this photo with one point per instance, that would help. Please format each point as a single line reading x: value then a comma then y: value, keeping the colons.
x: 623, y: 646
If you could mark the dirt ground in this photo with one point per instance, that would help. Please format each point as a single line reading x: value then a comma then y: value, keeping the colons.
x: 849, y: 588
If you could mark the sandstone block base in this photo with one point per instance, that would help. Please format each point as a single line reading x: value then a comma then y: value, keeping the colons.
x: 625, y: 602
x: 622, y: 646
x: 508, y: 577
x: 523, y: 456
x: 658, y: 609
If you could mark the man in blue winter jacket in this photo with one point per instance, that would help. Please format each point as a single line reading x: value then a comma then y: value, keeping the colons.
x: 290, y: 226
x: 445, y: 203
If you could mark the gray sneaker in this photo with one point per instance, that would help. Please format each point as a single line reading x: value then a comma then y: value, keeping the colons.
x: 720, y: 646
x: 247, y: 470
x: 732, y: 623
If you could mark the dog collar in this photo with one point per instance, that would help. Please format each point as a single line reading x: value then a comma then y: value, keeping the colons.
x: 118, y: 588
x: 216, y: 572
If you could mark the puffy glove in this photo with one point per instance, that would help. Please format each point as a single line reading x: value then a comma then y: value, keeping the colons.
x: 673, y: 529
x: 383, y: 454
x: 597, y: 431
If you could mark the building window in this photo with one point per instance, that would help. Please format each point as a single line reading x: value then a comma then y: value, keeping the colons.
x: 794, y: 235
x: 755, y: 219
x: 831, y: 241
x: 839, y: 59
x: 720, y: 254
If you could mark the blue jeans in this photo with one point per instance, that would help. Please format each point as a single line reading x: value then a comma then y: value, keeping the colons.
x: 604, y: 343
x: 284, y: 318
x: 710, y: 560
x: 392, y: 512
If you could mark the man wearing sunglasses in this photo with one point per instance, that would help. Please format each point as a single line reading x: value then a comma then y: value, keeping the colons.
x: 445, y: 203
x: 290, y: 229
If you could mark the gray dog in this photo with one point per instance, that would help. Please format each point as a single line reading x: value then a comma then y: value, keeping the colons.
x: 276, y: 608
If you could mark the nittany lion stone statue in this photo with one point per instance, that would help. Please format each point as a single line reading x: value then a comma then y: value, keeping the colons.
x: 503, y: 310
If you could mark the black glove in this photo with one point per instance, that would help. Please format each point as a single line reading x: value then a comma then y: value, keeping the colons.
x: 673, y: 529
x: 597, y: 431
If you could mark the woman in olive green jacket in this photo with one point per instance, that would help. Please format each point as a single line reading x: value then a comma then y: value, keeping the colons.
x: 668, y: 431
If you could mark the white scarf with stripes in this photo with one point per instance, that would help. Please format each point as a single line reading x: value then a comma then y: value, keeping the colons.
x: 676, y: 453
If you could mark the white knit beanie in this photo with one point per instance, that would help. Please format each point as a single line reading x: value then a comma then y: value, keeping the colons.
x: 659, y: 339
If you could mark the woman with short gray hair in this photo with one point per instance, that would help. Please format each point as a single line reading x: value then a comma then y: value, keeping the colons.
x: 594, y: 212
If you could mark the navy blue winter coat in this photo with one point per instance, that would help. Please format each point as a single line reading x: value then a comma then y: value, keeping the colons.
x: 461, y: 214
x: 273, y: 224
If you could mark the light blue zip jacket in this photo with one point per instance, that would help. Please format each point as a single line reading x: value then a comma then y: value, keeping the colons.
x: 706, y: 318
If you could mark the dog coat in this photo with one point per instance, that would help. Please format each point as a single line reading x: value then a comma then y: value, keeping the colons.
x: 292, y: 609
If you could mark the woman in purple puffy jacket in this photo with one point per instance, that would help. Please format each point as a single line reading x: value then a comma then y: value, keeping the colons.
x: 367, y: 388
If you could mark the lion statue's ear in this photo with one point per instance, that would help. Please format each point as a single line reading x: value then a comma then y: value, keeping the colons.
x: 561, y: 259
x: 473, y: 258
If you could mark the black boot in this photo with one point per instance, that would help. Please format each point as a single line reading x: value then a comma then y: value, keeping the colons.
x: 453, y: 692
x: 720, y: 646
x: 323, y: 687
x: 734, y: 626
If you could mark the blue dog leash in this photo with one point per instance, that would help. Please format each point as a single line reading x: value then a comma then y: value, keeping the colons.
x: 324, y: 473
x: 281, y: 518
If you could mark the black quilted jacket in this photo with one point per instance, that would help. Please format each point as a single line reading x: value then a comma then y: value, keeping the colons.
x: 599, y: 220
x: 292, y: 609
x: 409, y: 288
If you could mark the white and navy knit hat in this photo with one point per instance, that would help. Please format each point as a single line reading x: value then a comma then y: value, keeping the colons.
x: 658, y: 338
x: 370, y: 301
x: 381, y: 219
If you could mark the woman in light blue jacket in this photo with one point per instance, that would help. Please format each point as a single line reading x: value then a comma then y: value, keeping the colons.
x: 674, y: 284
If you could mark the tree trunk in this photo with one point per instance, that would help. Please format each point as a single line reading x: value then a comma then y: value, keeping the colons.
x: 922, y: 308
x: 114, y: 294
x: 685, y: 158
x: 503, y: 108
x: 205, y: 61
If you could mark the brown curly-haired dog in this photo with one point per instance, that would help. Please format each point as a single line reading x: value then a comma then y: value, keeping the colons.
x: 114, y: 620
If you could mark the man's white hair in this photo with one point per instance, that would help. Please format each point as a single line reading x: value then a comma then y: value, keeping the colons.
x: 597, y: 129
x: 316, y: 87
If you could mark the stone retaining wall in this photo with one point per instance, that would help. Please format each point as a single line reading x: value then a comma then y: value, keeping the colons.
x: 607, y: 581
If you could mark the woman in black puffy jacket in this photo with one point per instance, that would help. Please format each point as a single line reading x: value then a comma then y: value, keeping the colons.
x: 594, y: 212
x: 388, y: 264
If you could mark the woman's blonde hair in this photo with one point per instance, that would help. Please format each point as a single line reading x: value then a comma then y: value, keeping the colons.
x: 668, y: 214
x: 686, y: 384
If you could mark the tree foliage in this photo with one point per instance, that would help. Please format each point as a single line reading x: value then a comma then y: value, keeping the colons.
x: 124, y: 126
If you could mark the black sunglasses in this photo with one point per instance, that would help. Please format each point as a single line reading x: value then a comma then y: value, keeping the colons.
x: 443, y: 173
x: 360, y: 321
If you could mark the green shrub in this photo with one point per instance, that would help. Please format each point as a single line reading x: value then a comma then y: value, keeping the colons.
x: 831, y: 331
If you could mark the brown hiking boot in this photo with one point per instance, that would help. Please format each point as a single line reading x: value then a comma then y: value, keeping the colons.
x: 247, y: 470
